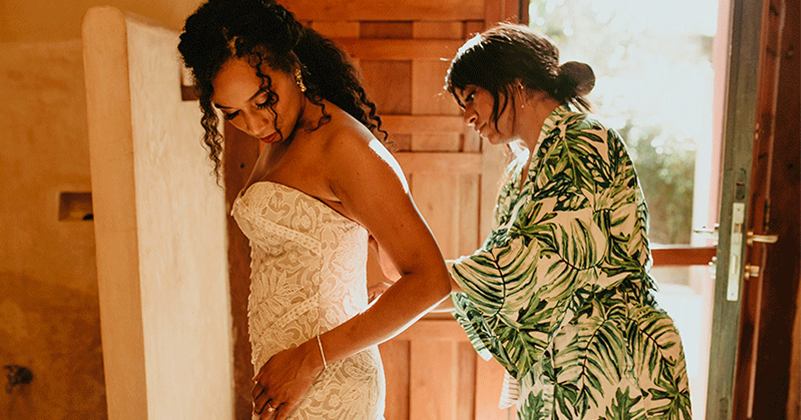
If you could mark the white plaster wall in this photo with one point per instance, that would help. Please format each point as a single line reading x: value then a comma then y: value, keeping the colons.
x: 160, y: 228
x: 182, y: 240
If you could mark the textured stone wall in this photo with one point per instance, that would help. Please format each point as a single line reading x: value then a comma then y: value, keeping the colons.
x: 49, y: 316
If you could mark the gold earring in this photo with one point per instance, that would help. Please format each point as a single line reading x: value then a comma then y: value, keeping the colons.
x: 299, y: 80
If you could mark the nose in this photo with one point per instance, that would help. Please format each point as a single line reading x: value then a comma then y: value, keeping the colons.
x: 254, y: 123
x: 470, y: 116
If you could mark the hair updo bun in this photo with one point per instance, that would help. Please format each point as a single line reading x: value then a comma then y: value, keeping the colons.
x: 511, y: 54
x: 578, y: 76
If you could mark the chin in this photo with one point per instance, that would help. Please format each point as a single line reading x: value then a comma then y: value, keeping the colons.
x: 496, y: 139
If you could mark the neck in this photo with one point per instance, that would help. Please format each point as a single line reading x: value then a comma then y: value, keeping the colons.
x: 531, y: 118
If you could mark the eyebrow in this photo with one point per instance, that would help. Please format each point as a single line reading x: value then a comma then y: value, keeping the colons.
x: 259, y: 92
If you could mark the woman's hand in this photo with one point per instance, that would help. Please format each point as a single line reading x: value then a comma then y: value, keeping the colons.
x: 283, y: 380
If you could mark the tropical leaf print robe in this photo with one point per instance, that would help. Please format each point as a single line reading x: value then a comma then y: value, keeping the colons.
x: 560, y: 295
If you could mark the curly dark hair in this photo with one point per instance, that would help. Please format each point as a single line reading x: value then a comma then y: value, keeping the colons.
x: 500, y: 56
x: 263, y: 31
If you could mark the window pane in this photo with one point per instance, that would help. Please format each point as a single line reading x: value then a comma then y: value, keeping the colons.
x: 655, y: 84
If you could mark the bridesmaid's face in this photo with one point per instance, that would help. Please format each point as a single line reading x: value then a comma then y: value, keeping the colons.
x: 245, y: 99
x: 477, y: 105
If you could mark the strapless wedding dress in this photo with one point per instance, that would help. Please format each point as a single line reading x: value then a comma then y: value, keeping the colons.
x: 308, y: 275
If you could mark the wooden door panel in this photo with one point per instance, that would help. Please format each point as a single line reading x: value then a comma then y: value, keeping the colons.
x: 395, y: 356
x: 384, y: 10
x: 489, y: 380
x: 388, y: 83
x: 402, y: 49
x: 433, y: 368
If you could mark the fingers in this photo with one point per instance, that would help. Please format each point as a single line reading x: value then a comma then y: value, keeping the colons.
x: 262, y: 403
x: 268, y: 412
x: 257, y: 390
x: 284, y: 409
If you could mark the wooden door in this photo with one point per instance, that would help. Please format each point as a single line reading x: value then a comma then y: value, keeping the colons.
x: 403, y: 49
x: 748, y: 376
x: 763, y: 362
x: 403, y: 52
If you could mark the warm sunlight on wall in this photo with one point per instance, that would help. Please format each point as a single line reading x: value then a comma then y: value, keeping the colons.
x: 48, y: 20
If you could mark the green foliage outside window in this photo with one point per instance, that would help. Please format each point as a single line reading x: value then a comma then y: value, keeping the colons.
x: 653, y: 63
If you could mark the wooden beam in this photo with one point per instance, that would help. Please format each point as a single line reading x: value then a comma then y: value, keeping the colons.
x: 682, y: 255
x: 386, y: 10
x: 399, y: 49
x: 437, y: 162
x: 435, y: 330
x: 416, y: 124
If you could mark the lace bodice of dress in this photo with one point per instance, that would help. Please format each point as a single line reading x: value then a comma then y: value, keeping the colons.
x: 308, y: 275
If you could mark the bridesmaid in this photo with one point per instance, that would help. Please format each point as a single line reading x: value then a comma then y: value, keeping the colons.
x: 560, y: 294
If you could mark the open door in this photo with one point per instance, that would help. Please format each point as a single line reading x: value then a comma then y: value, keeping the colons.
x: 748, y: 377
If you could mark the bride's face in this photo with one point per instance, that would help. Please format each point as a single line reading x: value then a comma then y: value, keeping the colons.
x: 265, y: 109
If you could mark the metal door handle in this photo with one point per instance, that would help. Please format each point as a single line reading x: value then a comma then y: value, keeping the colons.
x: 762, y: 239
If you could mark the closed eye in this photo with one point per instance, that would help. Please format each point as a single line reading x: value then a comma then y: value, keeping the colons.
x: 270, y: 99
x: 231, y: 115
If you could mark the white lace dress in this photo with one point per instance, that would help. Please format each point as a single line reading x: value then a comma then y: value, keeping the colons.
x: 308, y: 275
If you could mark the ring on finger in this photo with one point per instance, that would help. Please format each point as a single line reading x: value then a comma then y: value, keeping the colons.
x: 270, y: 408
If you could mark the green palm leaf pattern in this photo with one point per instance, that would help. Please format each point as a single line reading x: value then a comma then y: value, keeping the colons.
x: 624, y: 407
x: 560, y: 295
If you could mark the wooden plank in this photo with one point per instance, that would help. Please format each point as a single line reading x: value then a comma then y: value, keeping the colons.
x: 440, y: 163
x: 434, y: 330
x: 436, y: 195
x: 399, y: 49
x: 443, y: 142
x: 429, y: 97
x: 465, y: 381
x: 428, y: 91
x: 378, y: 75
x: 469, y: 194
x: 398, y: 142
x: 381, y: 10
x: 433, y: 380
x: 386, y: 30
x: 501, y: 11
x: 342, y: 29
x: 418, y: 124
x: 437, y: 30
x: 489, y: 381
x: 395, y: 357
x: 682, y: 255
x: 472, y: 27
x: 471, y: 141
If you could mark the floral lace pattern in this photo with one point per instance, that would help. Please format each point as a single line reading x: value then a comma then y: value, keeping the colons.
x: 308, y: 275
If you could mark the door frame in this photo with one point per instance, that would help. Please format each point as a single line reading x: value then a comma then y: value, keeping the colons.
x: 739, y: 128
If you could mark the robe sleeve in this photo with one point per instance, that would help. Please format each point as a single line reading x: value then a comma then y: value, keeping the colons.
x: 534, y: 274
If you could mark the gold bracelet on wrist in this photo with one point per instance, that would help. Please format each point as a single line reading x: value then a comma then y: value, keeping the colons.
x: 322, y: 353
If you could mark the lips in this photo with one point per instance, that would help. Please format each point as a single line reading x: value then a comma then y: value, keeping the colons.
x: 272, y: 138
x: 480, y: 130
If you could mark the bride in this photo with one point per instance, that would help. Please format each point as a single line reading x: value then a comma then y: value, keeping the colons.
x: 322, y: 187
